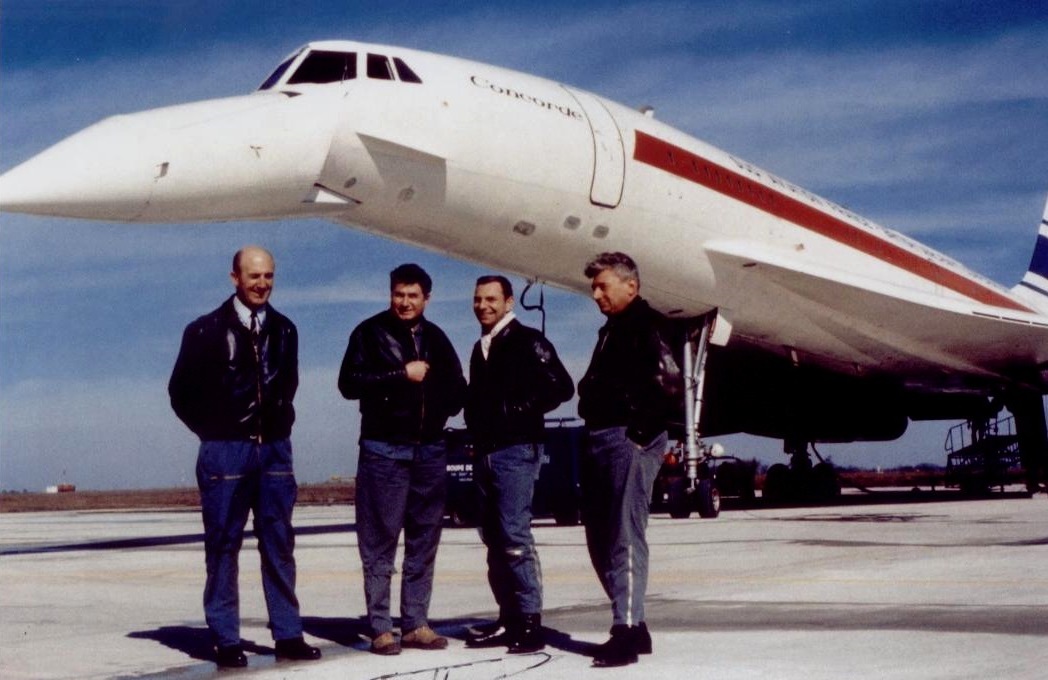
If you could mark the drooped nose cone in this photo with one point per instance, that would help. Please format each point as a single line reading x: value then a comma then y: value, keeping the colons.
x: 256, y: 156
x: 105, y: 171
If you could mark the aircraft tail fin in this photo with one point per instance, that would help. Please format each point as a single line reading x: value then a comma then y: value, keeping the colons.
x: 1033, y: 289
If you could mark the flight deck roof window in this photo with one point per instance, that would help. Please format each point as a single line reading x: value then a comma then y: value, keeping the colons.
x: 325, y: 67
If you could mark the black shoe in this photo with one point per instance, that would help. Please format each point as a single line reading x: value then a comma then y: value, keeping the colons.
x: 296, y: 649
x: 641, y: 638
x: 485, y: 635
x: 231, y: 657
x: 620, y: 650
x: 527, y: 636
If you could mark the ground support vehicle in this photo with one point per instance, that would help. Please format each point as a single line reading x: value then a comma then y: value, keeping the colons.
x: 982, y: 455
x: 557, y: 491
x: 718, y: 476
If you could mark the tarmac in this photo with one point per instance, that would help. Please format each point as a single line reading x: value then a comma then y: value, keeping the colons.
x: 941, y: 589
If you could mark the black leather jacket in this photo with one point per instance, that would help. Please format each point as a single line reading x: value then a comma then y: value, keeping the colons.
x: 392, y: 408
x: 510, y: 392
x: 634, y: 379
x: 222, y: 391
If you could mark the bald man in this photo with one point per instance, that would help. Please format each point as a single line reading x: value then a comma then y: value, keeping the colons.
x: 233, y: 386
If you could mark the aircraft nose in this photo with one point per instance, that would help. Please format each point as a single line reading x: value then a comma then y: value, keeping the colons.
x: 255, y: 156
x: 105, y: 171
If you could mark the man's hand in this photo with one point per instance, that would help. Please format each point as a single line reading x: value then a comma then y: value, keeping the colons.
x: 416, y: 370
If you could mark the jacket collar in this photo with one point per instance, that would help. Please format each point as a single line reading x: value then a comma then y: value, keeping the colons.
x: 634, y: 309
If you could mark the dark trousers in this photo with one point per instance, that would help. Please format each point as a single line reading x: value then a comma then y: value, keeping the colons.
x: 236, y: 478
x: 506, y: 484
x: 617, y: 478
x: 399, y: 488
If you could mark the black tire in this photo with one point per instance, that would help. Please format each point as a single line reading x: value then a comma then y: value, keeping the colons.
x: 777, y: 484
x: 825, y: 484
x: 708, y: 499
x: 679, y: 498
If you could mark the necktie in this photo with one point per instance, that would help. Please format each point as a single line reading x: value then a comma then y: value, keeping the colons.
x: 254, y: 325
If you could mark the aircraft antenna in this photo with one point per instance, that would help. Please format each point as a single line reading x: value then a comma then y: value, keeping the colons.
x: 541, y: 306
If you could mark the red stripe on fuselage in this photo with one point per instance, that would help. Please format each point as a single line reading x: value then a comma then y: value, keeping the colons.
x: 687, y: 165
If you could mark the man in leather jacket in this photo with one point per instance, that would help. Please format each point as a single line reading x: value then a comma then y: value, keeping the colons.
x: 233, y: 385
x: 515, y: 378
x: 409, y: 381
x: 625, y: 397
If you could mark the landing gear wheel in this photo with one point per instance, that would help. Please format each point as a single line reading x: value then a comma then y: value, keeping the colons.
x: 777, y: 483
x: 824, y: 483
x: 678, y: 498
x: 709, y: 499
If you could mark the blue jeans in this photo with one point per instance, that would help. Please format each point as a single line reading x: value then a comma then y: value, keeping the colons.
x: 400, y: 487
x: 617, y: 478
x: 506, y: 483
x: 235, y: 478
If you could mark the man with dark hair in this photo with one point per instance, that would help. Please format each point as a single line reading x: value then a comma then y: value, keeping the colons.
x: 624, y: 397
x: 409, y: 381
x: 515, y: 378
x: 233, y: 385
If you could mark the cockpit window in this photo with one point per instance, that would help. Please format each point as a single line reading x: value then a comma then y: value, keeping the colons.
x: 277, y: 74
x: 325, y: 67
x: 378, y: 67
x: 405, y: 72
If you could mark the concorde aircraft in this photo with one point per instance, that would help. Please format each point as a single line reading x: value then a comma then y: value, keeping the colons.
x: 803, y: 320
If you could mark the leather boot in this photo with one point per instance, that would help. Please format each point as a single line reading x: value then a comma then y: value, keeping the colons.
x: 619, y: 650
x: 641, y: 638
x: 527, y: 636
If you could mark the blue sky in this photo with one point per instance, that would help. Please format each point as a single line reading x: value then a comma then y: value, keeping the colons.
x: 928, y: 117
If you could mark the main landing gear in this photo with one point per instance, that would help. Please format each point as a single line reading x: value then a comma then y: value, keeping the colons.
x: 801, y: 481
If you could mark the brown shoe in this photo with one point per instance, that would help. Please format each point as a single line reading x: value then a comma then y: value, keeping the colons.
x: 423, y: 637
x: 385, y: 644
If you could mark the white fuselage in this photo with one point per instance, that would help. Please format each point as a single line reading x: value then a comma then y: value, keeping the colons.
x: 527, y: 175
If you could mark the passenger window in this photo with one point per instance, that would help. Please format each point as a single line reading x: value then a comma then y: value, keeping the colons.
x: 378, y: 67
x: 404, y: 72
x: 326, y: 67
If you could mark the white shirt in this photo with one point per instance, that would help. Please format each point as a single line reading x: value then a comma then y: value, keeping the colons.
x: 485, y: 340
x: 244, y: 313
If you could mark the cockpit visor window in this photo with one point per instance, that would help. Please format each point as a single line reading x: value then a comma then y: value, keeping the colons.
x: 405, y: 72
x: 325, y: 67
x: 277, y: 74
x: 378, y: 67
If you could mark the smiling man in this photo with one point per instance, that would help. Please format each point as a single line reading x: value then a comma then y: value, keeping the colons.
x: 233, y: 385
x: 515, y: 378
x: 409, y: 381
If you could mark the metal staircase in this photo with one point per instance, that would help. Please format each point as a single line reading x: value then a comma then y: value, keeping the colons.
x: 982, y: 454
